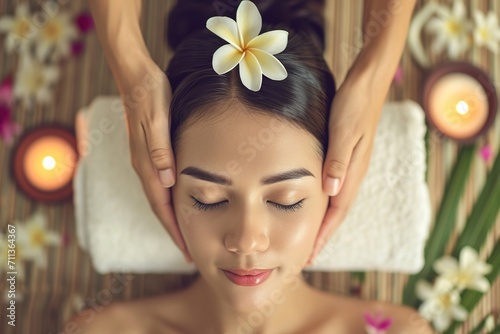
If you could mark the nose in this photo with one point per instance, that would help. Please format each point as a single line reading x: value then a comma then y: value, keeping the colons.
x: 248, y: 234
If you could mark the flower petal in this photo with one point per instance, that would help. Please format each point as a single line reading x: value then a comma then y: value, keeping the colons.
x: 441, y: 322
x: 423, y: 290
x: 250, y: 72
x: 22, y: 9
x: 468, y: 257
x: 459, y: 10
x: 492, y: 20
x: 480, y: 284
x: 6, y: 23
x: 446, y: 264
x: 226, y: 58
x: 482, y: 268
x: 479, y: 18
x: 271, y: 67
x: 272, y: 41
x: 225, y: 28
x: 459, y: 312
x: 42, y: 50
x: 435, y: 25
x: 249, y: 21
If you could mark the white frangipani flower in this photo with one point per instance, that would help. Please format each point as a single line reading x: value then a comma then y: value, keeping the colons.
x: 468, y: 272
x: 19, y: 29
x: 35, y: 237
x: 34, y: 80
x: 487, y: 30
x: 246, y: 47
x: 441, y: 303
x: 56, y: 36
x: 489, y: 324
x: 451, y: 29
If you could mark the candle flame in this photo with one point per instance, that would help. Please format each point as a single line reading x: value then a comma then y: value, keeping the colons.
x: 49, y: 163
x: 462, y: 107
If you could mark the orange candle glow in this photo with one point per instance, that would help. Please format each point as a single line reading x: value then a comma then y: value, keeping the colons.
x: 44, y: 163
x: 458, y: 105
x: 460, y: 101
x: 49, y: 163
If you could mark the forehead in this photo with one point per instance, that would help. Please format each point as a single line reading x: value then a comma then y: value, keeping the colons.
x: 251, y: 142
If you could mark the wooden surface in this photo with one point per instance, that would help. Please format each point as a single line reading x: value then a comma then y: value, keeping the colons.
x: 48, y: 295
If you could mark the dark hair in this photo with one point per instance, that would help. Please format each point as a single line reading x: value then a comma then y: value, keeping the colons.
x: 302, y: 99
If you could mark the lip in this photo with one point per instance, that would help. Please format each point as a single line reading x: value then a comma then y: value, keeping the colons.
x: 251, y: 277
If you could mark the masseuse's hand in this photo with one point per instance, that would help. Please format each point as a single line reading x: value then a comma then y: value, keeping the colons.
x: 146, y: 96
x: 354, y: 117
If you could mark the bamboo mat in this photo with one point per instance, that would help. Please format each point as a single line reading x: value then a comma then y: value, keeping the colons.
x: 48, y: 295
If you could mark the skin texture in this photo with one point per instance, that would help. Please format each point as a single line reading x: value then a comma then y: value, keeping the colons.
x: 352, y: 123
x: 247, y: 231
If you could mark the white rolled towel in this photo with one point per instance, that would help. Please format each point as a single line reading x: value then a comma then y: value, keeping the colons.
x: 386, y: 228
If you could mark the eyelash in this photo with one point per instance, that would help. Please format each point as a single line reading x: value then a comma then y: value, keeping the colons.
x: 202, y: 206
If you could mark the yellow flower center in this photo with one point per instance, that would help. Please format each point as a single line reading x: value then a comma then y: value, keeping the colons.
x: 38, y: 237
x: 52, y: 31
x: 22, y: 28
x: 484, y: 33
x: 463, y: 278
x: 453, y: 27
x: 34, y: 80
x: 445, y: 300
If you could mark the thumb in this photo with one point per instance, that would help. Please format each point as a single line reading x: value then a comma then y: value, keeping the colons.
x: 161, y: 153
x: 335, y: 167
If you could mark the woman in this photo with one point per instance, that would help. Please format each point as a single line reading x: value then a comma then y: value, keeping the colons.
x: 352, y: 124
x: 249, y: 198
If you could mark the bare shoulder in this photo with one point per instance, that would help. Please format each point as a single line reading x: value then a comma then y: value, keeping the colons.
x: 110, y: 319
x: 406, y: 320
x: 138, y: 317
x: 351, y: 310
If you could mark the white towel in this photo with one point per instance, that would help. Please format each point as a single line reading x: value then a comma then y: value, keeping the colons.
x: 386, y: 228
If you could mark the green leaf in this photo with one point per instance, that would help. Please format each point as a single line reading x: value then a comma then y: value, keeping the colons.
x: 444, y: 222
x: 496, y: 330
x: 479, y: 328
x: 483, y: 214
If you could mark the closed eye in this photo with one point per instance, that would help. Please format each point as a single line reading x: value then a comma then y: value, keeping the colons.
x: 204, y: 206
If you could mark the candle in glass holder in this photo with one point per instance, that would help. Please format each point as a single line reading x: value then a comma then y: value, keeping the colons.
x: 460, y: 101
x: 44, y: 163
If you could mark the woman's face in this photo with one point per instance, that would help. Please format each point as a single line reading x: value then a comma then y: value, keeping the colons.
x: 238, y: 218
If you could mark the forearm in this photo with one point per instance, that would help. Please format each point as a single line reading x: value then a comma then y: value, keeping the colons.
x: 385, y: 27
x: 117, y: 23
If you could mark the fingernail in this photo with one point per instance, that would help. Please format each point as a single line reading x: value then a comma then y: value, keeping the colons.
x: 167, y: 177
x: 332, y: 186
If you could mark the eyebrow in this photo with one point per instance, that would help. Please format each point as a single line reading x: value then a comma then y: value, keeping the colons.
x: 215, y: 178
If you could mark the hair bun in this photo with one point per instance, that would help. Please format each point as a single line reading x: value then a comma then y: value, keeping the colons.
x: 301, y: 16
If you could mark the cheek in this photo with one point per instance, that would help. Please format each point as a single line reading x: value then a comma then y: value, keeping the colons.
x: 297, y: 235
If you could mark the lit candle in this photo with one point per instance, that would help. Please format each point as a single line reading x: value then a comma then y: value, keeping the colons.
x: 460, y: 101
x: 44, y: 163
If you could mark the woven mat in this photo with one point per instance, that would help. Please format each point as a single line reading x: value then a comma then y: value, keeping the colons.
x: 48, y: 295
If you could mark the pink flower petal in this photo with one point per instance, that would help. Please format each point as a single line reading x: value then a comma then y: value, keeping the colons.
x: 486, y: 152
x: 370, y: 320
x: 8, y: 129
x: 77, y: 47
x: 398, y: 76
x: 386, y: 323
x: 4, y: 113
x: 84, y: 22
x: 377, y: 322
x: 6, y: 91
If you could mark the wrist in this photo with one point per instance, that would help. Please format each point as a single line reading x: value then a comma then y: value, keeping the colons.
x: 371, y: 73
